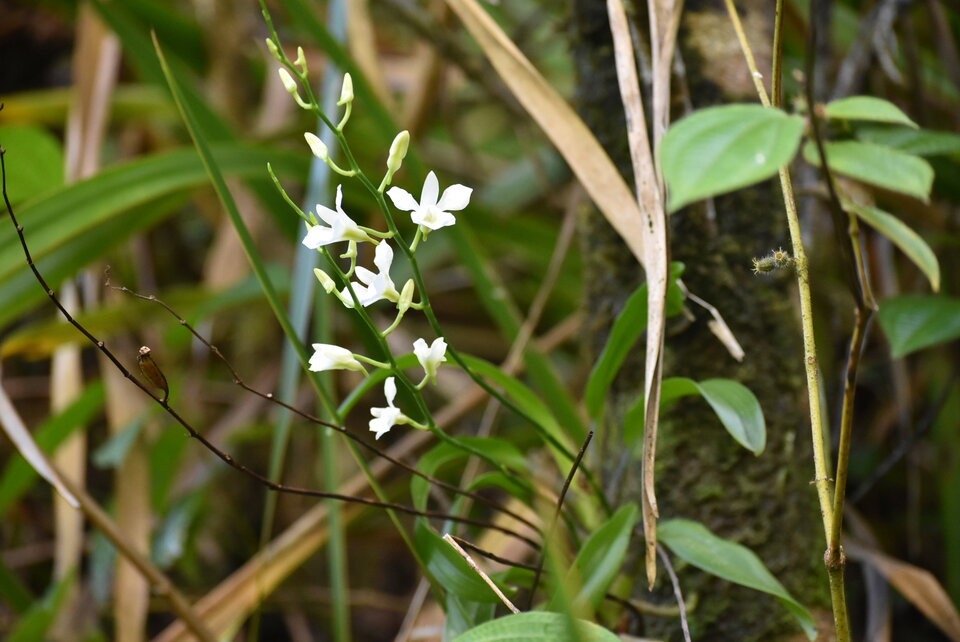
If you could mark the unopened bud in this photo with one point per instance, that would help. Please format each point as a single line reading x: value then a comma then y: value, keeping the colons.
x: 288, y: 82
x: 272, y: 48
x: 346, y: 92
x: 406, y: 296
x: 325, y: 281
x: 398, y: 151
x: 317, y: 146
x: 301, y: 61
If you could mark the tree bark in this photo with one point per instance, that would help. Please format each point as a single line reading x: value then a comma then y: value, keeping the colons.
x: 765, y: 502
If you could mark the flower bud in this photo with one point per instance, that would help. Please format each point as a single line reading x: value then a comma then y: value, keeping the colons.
x: 398, y: 151
x: 301, y: 61
x: 406, y: 296
x: 346, y: 92
x: 317, y: 146
x: 272, y: 48
x: 288, y: 82
x: 325, y: 281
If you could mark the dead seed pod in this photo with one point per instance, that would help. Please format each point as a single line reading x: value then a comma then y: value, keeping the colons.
x: 152, y: 372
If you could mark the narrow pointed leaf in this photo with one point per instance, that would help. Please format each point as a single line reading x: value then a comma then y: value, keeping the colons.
x: 537, y: 626
x: 909, y: 242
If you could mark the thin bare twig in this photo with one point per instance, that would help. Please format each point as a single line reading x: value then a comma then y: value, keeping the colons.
x: 676, y: 592
x: 556, y: 514
x: 223, y: 456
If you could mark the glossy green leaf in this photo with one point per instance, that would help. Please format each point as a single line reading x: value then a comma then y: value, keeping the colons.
x: 909, y: 242
x: 537, y: 626
x: 720, y: 149
x: 921, y: 142
x: 692, y: 542
x: 735, y: 405
x: 915, y: 321
x: 448, y: 568
x: 867, y: 108
x: 34, y: 162
x: 876, y: 165
x: 600, y: 559
x: 627, y: 329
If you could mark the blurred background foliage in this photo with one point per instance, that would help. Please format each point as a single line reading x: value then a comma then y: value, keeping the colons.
x: 103, y: 173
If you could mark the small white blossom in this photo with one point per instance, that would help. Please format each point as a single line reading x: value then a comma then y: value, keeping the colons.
x: 430, y: 357
x: 288, y: 82
x: 331, y: 357
x: 431, y: 213
x: 341, y: 227
x: 375, y: 286
x: 386, y: 418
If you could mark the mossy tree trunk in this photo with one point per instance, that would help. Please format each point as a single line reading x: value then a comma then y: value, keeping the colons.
x: 766, y: 502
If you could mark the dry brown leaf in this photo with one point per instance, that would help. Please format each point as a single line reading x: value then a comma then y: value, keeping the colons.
x: 575, y: 142
x: 917, y: 585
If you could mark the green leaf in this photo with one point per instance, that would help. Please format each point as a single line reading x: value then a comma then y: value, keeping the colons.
x: 626, y: 331
x: 496, y: 449
x: 34, y: 162
x: 867, y: 108
x: 38, y: 620
x: 692, y: 542
x: 876, y: 165
x: 525, y: 399
x: 537, y: 626
x: 921, y: 142
x: 720, y: 149
x: 448, y: 568
x: 735, y: 405
x: 909, y: 242
x: 915, y: 321
x: 600, y: 560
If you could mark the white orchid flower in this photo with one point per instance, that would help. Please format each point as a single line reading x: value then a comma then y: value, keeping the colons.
x: 341, y: 227
x: 374, y: 286
x: 430, y: 357
x: 331, y: 357
x: 386, y: 418
x: 431, y: 213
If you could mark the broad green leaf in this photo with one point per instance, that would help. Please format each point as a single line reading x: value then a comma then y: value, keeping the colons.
x: 626, y: 331
x: 34, y: 162
x: 735, y: 405
x: 525, y: 399
x: 444, y: 453
x: 921, y: 142
x: 909, y: 242
x: 692, y: 542
x: 867, y: 108
x: 600, y: 559
x: 876, y: 165
x: 537, y: 626
x: 720, y: 149
x: 448, y: 568
x: 915, y: 321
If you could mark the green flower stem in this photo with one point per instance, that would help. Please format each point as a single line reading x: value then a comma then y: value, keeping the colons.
x: 373, y: 362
